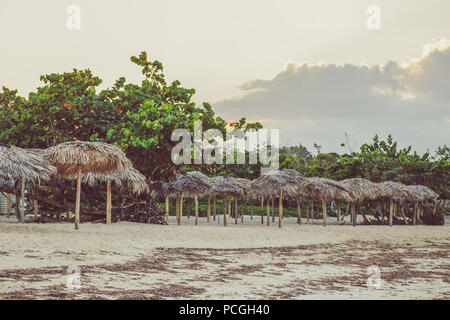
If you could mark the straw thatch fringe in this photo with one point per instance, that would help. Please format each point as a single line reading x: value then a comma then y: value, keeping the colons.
x: 226, y: 186
x: 398, y: 191
x: 362, y: 188
x: 425, y: 193
x: 318, y: 188
x: 270, y: 184
x: 16, y: 163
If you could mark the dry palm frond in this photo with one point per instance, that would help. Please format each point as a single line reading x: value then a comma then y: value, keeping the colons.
x: 95, y: 157
x: 16, y: 163
x: 398, y: 191
x: 246, y: 186
x: 318, y: 188
x: 226, y: 186
x: 131, y: 179
x: 426, y: 193
x: 190, y: 184
x: 271, y: 183
x: 362, y: 188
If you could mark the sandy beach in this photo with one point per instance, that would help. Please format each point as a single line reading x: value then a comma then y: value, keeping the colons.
x: 244, y: 261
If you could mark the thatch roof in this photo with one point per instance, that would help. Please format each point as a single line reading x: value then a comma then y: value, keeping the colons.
x: 246, y: 186
x: 316, y: 188
x: 362, y: 188
x: 95, y: 157
x: 272, y: 182
x: 398, y: 191
x: 226, y: 186
x: 190, y: 184
x: 130, y: 178
x: 16, y: 163
x: 426, y: 193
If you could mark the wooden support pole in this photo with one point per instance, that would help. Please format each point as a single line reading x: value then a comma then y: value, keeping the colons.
x: 36, y: 208
x: 299, y: 213
x: 8, y: 206
x: 22, y: 199
x: 339, y: 210
x: 391, y: 211
x: 244, y: 203
x: 167, y: 209
x: 229, y: 207
x: 208, y: 213
x: 324, y: 209
x: 225, y: 211
x: 177, y: 207
x: 235, y: 211
x: 273, y: 208
x: 78, y: 199
x: 180, y: 218
x: 214, y: 208
x: 251, y: 209
x: 280, y: 208
x: 415, y: 213
x: 268, y: 211
x: 262, y: 209
x: 108, y: 202
x: 353, y: 209
x: 196, y: 209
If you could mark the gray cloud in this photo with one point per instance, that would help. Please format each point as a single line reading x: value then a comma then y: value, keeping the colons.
x: 409, y: 99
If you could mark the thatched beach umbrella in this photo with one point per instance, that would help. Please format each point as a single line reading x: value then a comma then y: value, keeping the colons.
x: 361, y: 189
x: 190, y: 185
x: 208, y: 181
x: 426, y: 194
x: 278, y: 182
x: 396, y: 191
x: 227, y: 187
x: 17, y: 164
x: 75, y: 158
x: 325, y: 189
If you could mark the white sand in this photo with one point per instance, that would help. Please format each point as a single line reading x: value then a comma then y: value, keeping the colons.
x: 220, y: 262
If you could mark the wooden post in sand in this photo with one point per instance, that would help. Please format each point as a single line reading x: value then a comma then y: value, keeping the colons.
x: 324, y: 209
x: 415, y: 213
x: 229, y: 207
x: 8, y: 206
x: 280, y: 208
x: 251, y: 209
x: 338, y: 204
x: 268, y: 211
x: 177, y: 207
x: 78, y: 198
x: 180, y: 216
x: 391, y: 211
x: 225, y: 211
x: 214, y: 208
x: 262, y: 209
x: 208, y: 213
x: 273, y: 209
x: 167, y: 209
x: 196, y: 209
x: 22, y: 201
x: 35, y: 205
x: 299, y: 214
x: 108, y: 202
x: 235, y: 211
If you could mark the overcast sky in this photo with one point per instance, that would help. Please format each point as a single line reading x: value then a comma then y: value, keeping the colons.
x: 310, y: 68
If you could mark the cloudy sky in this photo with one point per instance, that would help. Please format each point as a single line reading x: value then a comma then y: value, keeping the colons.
x: 310, y: 68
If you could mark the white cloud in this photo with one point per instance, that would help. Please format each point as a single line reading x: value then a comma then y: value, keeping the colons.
x: 318, y: 103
